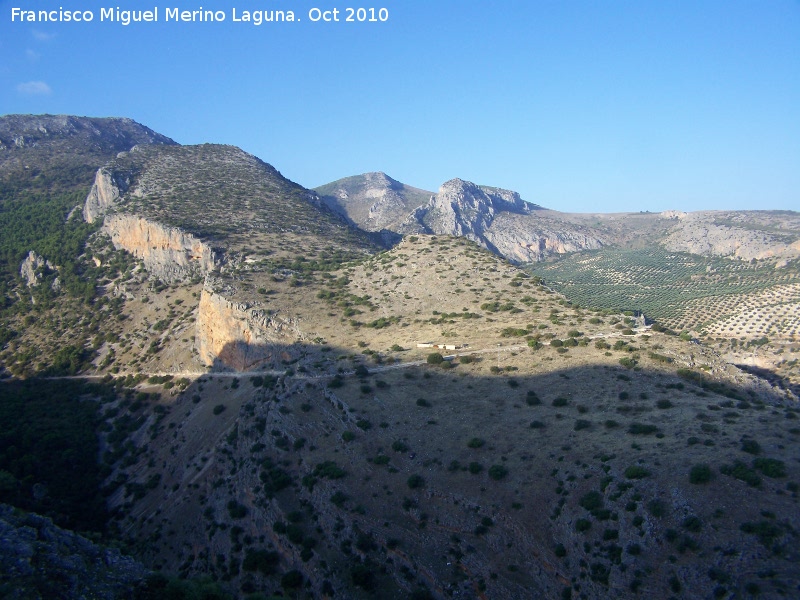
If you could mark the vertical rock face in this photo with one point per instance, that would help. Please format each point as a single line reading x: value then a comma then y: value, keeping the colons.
x: 105, y: 192
x: 240, y: 336
x: 168, y: 252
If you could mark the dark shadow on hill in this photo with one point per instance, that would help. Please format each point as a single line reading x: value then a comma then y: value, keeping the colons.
x: 609, y: 478
x: 323, y: 464
x: 771, y: 377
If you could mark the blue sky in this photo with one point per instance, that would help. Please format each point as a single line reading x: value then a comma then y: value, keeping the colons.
x: 579, y: 106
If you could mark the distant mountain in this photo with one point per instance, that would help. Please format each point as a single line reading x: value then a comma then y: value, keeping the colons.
x: 745, y: 235
x: 373, y: 201
x: 501, y: 221
x: 495, y: 218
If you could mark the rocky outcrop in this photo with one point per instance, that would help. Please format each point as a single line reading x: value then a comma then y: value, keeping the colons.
x: 464, y: 209
x: 41, y: 560
x: 107, y: 188
x: 31, y: 269
x: 501, y: 221
x: 242, y: 336
x: 167, y: 252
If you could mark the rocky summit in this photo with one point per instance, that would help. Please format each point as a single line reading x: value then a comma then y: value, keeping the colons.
x: 254, y: 389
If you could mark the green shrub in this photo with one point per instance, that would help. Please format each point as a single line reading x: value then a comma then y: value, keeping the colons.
x: 399, y: 446
x: 476, y: 442
x: 582, y: 424
x: 236, y: 510
x: 642, y: 429
x: 751, y: 446
x: 700, y: 473
x: 770, y: 467
x: 766, y: 531
x: 582, y: 525
x: 292, y: 580
x: 264, y: 561
x: 415, y: 481
x: 591, y: 501
x: 657, y: 508
x: 692, y: 523
x: 435, y: 358
x: 218, y: 409
x: 560, y: 401
x: 742, y: 472
x: 497, y: 472
x: 329, y: 470
x: 475, y: 468
x: 636, y: 472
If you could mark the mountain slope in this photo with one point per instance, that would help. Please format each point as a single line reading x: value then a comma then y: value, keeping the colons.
x: 210, y: 206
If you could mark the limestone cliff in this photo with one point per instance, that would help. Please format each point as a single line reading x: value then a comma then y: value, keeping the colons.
x: 242, y: 336
x: 168, y: 252
x: 107, y: 188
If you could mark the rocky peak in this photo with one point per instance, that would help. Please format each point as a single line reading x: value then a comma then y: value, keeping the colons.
x: 32, y: 267
x: 373, y: 201
x: 465, y: 209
